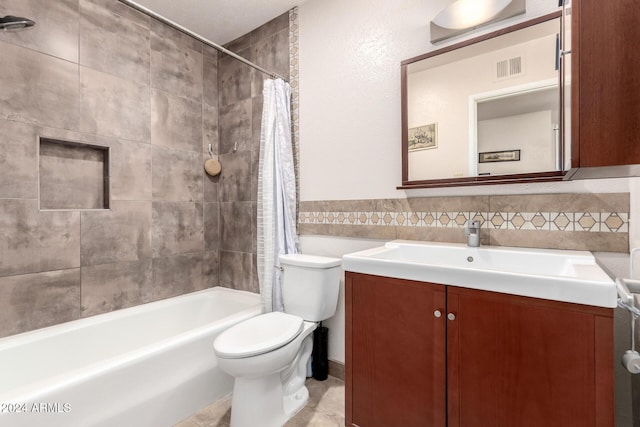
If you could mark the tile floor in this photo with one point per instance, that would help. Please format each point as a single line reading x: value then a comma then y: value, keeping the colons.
x: 324, y: 409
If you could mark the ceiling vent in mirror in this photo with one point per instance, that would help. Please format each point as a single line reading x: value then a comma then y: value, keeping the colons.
x: 465, y: 15
x: 509, y: 68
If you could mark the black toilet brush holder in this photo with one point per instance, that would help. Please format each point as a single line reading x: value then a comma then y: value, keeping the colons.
x: 320, y: 354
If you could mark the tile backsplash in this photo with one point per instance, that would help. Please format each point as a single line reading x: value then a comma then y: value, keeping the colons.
x: 598, y: 222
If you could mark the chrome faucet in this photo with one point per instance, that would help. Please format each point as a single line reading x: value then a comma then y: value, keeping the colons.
x: 473, y: 231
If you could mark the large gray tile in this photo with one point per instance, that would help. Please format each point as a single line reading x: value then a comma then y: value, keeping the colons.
x: 255, y: 174
x: 189, y: 423
x: 33, y: 301
x: 235, y: 179
x: 56, y: 29
x: 176, y: 122
x: 276, y: 25
x: 130, y: 171
x: 216, y: 414
x: 324, y: 409
x: 177, y: 275
x: 19, y: 242
x: 307, y: 417
x: 211, y: 269
x: 72, y: 176
x: 170, y: 39
x: 34, y: 241
x: 564, y: 202
x: 120, y: 234
x: 211, y: 183
x: 574, y: 240
x: 111, y: 287
x: 59, y: 236
x: 176, y: 63
x: 18, y: 161
x: 234, y: 123
x: 210, y: 75
x: 211, y: 226
x: 112, y: 43
x: 38, y: 88
x: 327, y: 396
x: 444, y: 204
x: 241, y: 43
x: 237, y: 270
x: 113, y: 106
x: 257, y: 105
x: 177, y: 228
x: 209, y: 128
x: 234, y: 79
x: 235, y: 226
x: 271, y: 53
x: 177, y: 175
x: 125, y: 12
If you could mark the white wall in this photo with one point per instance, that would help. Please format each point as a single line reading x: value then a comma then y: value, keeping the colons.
x: 350, y: 54
x: 531, y: 133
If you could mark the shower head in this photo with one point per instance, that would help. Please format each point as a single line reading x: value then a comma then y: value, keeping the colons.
x: 11, y: 23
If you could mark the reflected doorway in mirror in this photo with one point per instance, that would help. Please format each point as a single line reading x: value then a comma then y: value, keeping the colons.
x: 423, y: 137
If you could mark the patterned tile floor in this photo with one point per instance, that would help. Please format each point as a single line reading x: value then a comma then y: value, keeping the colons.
x: 324, y: 409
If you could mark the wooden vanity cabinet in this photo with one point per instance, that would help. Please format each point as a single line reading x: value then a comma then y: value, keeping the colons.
x: 605, y: 83
x: 421, y: 354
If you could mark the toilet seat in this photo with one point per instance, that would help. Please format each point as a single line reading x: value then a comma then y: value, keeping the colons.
x: 258, y: 335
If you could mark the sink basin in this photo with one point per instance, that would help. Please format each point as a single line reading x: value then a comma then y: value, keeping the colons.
x: 560, y: 275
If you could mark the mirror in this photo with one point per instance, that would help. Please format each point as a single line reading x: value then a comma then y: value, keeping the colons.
x: 485, y: 110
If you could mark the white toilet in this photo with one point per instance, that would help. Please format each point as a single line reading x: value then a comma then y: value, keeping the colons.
x: 268, y: 354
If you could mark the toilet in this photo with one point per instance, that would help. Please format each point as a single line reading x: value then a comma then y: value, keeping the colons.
x: 268, y: 354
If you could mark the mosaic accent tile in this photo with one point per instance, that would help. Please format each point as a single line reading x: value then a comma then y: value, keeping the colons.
x: 577, y: 221
x: 609, y: 222
x: 294, y: 78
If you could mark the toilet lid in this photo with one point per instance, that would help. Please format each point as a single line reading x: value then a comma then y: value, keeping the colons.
x: 258, y: 335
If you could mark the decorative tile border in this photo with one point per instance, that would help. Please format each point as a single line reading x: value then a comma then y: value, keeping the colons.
x: 606, y: 222
x: 595, y: 222
x: 295, y: 95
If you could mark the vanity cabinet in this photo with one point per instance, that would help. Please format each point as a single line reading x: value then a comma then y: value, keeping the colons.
x: 423, y: 354
x: 605, y: 83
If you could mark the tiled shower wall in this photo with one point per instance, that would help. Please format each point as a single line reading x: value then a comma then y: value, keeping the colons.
x: 240, y: 118
x: 99, y: 73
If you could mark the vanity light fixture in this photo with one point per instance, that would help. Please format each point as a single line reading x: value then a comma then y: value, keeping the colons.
x: 465, y: 15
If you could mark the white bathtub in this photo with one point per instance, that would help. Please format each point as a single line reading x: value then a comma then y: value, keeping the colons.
x: 151, y: 365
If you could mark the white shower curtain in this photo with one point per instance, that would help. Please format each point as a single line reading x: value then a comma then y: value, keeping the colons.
x: 276, y: 192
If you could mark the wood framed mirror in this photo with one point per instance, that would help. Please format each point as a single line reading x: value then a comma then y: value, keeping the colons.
x: 487, y: 110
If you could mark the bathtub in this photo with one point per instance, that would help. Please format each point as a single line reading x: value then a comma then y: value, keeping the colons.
x: 151, y: 365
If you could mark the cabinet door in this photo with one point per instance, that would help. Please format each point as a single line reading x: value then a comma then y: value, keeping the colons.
x: 516, y: 361
x: 395, y: 353
x: 605, y: 83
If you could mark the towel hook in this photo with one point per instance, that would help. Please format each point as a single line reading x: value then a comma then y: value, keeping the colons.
x: 235, y: 146
x: 210, y: 151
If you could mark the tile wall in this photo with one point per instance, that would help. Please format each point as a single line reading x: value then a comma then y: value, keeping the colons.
x: 595, y: 222
x: 240, y: 118
x: 97, y: 72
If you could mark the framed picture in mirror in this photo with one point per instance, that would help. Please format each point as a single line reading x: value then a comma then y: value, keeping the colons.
x: 423, y: 137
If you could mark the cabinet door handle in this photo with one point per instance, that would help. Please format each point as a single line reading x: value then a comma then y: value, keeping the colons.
x: 451, y: 316
x: 437, y: 313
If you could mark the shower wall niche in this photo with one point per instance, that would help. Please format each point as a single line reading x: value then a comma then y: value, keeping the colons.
x: 73, y: 175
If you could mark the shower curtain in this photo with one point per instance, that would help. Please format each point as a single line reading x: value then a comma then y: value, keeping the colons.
x: 276, y: 192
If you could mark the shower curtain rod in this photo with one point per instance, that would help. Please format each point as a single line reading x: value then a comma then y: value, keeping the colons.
x: 182, y: 29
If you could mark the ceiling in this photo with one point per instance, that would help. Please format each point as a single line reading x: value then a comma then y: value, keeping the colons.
x: 220, y: 20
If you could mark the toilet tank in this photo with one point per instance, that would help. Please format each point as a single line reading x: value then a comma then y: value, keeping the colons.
x: 310, y: 285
